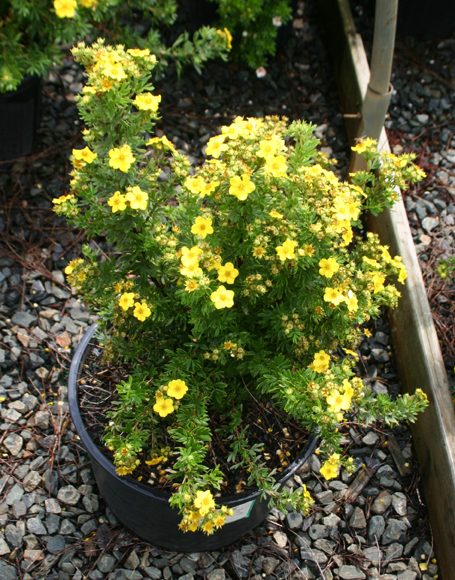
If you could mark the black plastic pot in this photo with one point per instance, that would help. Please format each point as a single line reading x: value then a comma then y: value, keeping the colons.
x: 19, y: 119
x: 146, y: 511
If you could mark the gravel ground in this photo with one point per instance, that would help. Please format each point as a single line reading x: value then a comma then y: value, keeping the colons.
x: 53, y: 524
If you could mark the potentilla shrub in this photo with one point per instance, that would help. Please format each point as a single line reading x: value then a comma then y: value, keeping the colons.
x: 33, y: 33
x: 246, y: 278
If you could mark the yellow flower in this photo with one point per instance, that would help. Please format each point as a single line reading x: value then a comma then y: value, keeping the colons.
x: 222, y: 298
x: 147, y: 102
x: 402, y: 275
x: 338, y: 402
x: 269, y: 147
x: 113, y: 70
x: 121, y: 158
x: 328, y: 267
x: 85, y: 155
x: 117, y: 202
x: 71, y: 266
x: 366, y: 145
x: 208, y: 527
x: 137, y: 198
x: 276, y: 214
x: 287, y: 250
x: 225, y: 33
x: 199, y: 186
x: 227, y: 273
x: 88, y: 3
x: 190, y: 255
x: 351, y: 301
x: 191, y: 270
x: 141, y: 311
x: 65, y: 8
x: 126, y: 300
x: 177, y: 388
x: 63, y: 199
x: 163, y: 406
x: 204, y: 502
x: 241, y: 187
x: 202, y: 227
x: 139, y: 52
x: 331, y: 467
x: 215, y: 146
x: 276, y: 166
x: 378, y: 280
x: 191, y: 285
x: 334, y: 296
x: 259, y: 252
x: 219, y: 520
x: 320, y: 362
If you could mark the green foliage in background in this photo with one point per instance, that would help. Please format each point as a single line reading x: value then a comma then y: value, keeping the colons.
x: 34, y: 33
x: 254, y: 25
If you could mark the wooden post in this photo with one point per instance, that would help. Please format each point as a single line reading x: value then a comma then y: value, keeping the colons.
x: 416, y: 345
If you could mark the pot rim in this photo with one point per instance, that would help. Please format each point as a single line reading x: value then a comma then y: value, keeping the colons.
x: 160, y: 495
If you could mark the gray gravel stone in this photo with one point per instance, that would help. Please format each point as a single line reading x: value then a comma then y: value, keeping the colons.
x: 68, y: 495
x: 430, y: 223
x: 31, y: 480
x: 373, y: 554
x: 318, y: 531
x: 394, y: 531
x: 56, y: 544
x: 7, y: 571
x: 280, y: 539
x: 52, y: 506
x: 313, y: 555
x: 14, y: 443
x: 106, y: 563
x: 357, y: 520
x: 350, y: 573
x: 23, y: 318
x: 407, y: 575
x: 399, y: 503
x: 269, y: 565
x: 376, y: 527
x: 42, y: 419
x: 15, y: 494
x: 4, y: 548
x: 381, y: 503
x: 133, y: 561
x: 294, y: 520
x: 19, y: 509
x: 217, y: 574
x: 155, y: 573
x: 240, y: 564
x: 14, y: 536
x: 371, y: 438
x: 91, y: 502
x: 36, y: 526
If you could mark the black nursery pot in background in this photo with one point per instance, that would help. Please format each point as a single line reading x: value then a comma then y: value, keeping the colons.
x: 145, y: 510
x: 19, y: 119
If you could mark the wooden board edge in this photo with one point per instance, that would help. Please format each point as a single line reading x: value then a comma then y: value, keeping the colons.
x: 416, y: 345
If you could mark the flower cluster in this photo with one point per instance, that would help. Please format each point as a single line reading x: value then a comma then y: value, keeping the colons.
x: 247, y: 277
x: 168, y: 396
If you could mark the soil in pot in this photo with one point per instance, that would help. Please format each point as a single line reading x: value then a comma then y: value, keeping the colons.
x: 140, y: 501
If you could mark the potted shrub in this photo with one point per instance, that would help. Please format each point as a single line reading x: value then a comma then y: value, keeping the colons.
x: 230, y: 299
x: 30, y: 35
x: 34, y: 33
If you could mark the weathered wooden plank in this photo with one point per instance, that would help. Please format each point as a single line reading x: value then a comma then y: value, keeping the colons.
x: 415, y: 341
